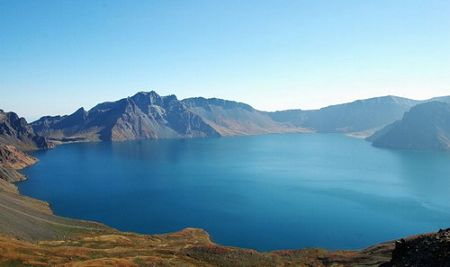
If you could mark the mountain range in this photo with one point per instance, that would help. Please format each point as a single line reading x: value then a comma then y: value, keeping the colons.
x: 147, y: 115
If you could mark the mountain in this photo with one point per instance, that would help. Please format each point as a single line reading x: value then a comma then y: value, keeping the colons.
x: 235, y: 118
x: 16, y: 131
x: 425, y: 126
x: 16, y: 136
x: 147, y: 115
x: 357, y: 116
x: 142, y: 116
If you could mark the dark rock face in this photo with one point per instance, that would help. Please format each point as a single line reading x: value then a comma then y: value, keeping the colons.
x: 427, y: 250
x: 425, y: 126
x: 16, y: 131
x: 142, y: 116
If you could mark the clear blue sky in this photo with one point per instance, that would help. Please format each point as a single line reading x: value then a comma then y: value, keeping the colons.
x: 56, y: 56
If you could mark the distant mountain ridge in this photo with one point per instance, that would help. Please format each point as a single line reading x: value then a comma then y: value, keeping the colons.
x: 147, y: 115
x: 357, y: 116
x: 425, y: 126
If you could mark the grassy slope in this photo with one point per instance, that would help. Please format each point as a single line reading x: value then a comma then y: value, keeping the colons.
x: 190, y: 247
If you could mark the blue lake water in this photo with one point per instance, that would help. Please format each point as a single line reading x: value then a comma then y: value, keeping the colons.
x: 263, y: 192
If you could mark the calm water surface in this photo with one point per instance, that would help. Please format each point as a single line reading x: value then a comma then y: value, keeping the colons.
x: 263, y: 192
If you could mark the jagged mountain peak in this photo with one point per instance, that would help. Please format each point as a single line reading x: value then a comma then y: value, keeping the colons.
x: 152, y: 98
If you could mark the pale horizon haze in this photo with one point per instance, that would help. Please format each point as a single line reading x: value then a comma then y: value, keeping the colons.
x: 57, y: 56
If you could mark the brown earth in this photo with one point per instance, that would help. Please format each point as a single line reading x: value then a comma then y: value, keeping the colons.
x: 190, y: 247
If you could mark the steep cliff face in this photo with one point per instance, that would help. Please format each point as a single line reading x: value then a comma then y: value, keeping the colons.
x: 142, y: 116
x: 425, y: 126
x: 423, y: 250
x: 11, y: 160
x: 16, y: 136
x: 16, y: 131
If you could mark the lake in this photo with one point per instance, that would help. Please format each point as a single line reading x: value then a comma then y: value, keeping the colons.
x: 263, y: 192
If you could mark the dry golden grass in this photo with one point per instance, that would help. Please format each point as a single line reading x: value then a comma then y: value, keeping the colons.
x: 190, y: 247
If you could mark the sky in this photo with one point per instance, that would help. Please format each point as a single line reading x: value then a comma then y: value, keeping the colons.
x: 56, y: 56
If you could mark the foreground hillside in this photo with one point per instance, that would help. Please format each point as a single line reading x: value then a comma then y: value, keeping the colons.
x: 193, y: 247
x: 190, y: 247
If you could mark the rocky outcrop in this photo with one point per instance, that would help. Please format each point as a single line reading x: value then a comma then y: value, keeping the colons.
x: 11, y: 157
x: 425, y: 126
x: 424, y: 250
x: 16, y: 131
x: 11, y: 160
